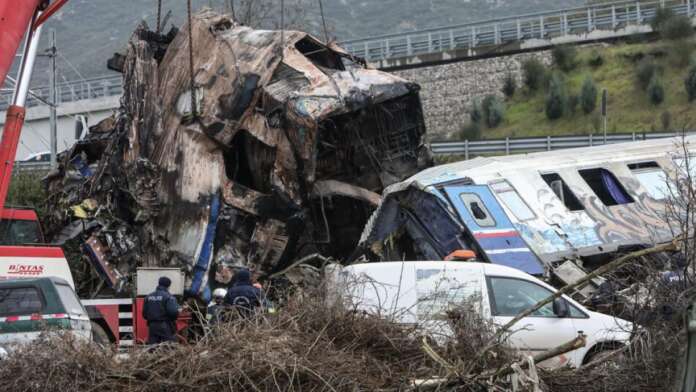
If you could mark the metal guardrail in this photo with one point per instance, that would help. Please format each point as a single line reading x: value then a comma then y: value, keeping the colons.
x: 543, y: 25
x: 105, y: 86
x: 549, y: 143
x: 31, y: 166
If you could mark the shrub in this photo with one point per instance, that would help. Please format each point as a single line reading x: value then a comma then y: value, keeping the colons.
x: 471, y: 131
x: 564, y: 56
x: 662, y: 17
x: 496, y: 113
x: 646, y: 71
x: 690, y: 83
x: 534, y: 73
x: 588, y: 96
x: 556, y: 99
x: 476, y: 114
x: 656, y: 91
x: 509, y: 85
x: 677, y: 28
x: 596, y: 59
x: 681, y: 52
x: 493, y: 111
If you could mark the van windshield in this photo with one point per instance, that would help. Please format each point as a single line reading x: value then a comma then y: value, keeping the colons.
x: 69, y: 299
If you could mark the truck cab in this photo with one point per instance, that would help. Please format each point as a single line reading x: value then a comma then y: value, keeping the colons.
x: 29, y: 307
x: 20, y: 227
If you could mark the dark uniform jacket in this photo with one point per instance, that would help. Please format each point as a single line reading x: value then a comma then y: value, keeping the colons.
x: 242, y: 294
x: 161, y: 310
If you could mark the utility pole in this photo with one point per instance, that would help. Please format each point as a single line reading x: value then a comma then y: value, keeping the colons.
x: 53, y: 120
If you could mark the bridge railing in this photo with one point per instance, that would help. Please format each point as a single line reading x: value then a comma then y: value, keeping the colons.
x: 508, y: 146
x: 104, y: 86
x: 543, y: 25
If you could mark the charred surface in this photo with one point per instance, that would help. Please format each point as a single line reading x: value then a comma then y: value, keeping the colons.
x: 291, y: 144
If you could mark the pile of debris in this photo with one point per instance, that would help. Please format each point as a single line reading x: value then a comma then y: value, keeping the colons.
x: 309, y: 345
x: 234, y: 147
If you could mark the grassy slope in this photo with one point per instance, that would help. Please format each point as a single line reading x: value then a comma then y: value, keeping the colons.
x: 629, y: 107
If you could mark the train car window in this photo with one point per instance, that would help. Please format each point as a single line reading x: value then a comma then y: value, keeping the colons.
x: 605, y: 185
x: 477, y: 209
x: 509, y: 196
x: 559, y: 187
x: 652, y: 178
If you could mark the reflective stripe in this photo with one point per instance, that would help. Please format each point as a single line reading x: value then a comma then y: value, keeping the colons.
x: 511, y: 250
x: 125, y: 315
x: 35, y: 317
x: 110, y: 301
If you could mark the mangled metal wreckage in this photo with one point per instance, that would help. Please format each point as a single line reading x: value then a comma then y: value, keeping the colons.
x: 556, y: 214
x: 290, y: 143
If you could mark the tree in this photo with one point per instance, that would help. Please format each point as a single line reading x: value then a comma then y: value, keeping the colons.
x: 556, y: 99
x: 509, y: 85
x: 588, y: 95
x: 564, y: 56
x: 492, y: 110
x: 534, y: 73
x: 646, y: 71
x: 656, y: 91
x: 475, y: 113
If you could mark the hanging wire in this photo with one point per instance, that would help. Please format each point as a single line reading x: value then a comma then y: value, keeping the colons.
x: 323, y: 21
x: 159, y: 16
x: 282, y: 27
x: 193, y: 85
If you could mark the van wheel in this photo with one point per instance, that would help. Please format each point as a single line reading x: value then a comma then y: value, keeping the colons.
x: 600, y: 353
x: 99, y: 336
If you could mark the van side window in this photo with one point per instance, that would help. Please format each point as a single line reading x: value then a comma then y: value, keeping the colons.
x: 477, y: 209
x: 512, y: 200
x: 605, y: 185
x: 20, y: 301
x: 562, y: 191
x: 510, y: 297
x: 652, y: 178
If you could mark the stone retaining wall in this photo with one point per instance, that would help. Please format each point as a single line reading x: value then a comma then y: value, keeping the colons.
x: 448, y: 90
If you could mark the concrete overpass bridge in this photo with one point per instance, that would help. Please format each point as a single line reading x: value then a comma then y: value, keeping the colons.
x: 97, y: 98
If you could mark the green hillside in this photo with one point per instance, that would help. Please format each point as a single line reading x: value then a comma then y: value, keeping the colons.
x: 630, y: 108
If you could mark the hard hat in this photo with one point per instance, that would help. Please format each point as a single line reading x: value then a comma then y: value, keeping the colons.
x: 221, y: 293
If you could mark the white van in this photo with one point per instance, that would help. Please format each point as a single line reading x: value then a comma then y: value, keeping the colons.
x: 419, y: 292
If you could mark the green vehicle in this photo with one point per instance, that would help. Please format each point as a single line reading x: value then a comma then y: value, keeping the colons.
x: 29, y: 307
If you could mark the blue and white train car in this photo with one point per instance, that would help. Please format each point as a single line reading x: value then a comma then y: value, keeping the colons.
x: 536, y: 211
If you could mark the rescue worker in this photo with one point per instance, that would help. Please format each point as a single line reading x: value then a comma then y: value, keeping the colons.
x: 161, y: 311
x: 216, y: 307
x: 242, y: 295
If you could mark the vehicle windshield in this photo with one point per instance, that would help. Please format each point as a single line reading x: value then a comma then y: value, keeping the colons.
x: 19, y: 232
x: 69, y: 299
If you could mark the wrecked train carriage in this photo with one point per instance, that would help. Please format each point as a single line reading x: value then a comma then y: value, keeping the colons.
x: 281, y: 152
x: 543, y: 212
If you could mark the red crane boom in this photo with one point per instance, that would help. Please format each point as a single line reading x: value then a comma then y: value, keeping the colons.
x: 17, y: 19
